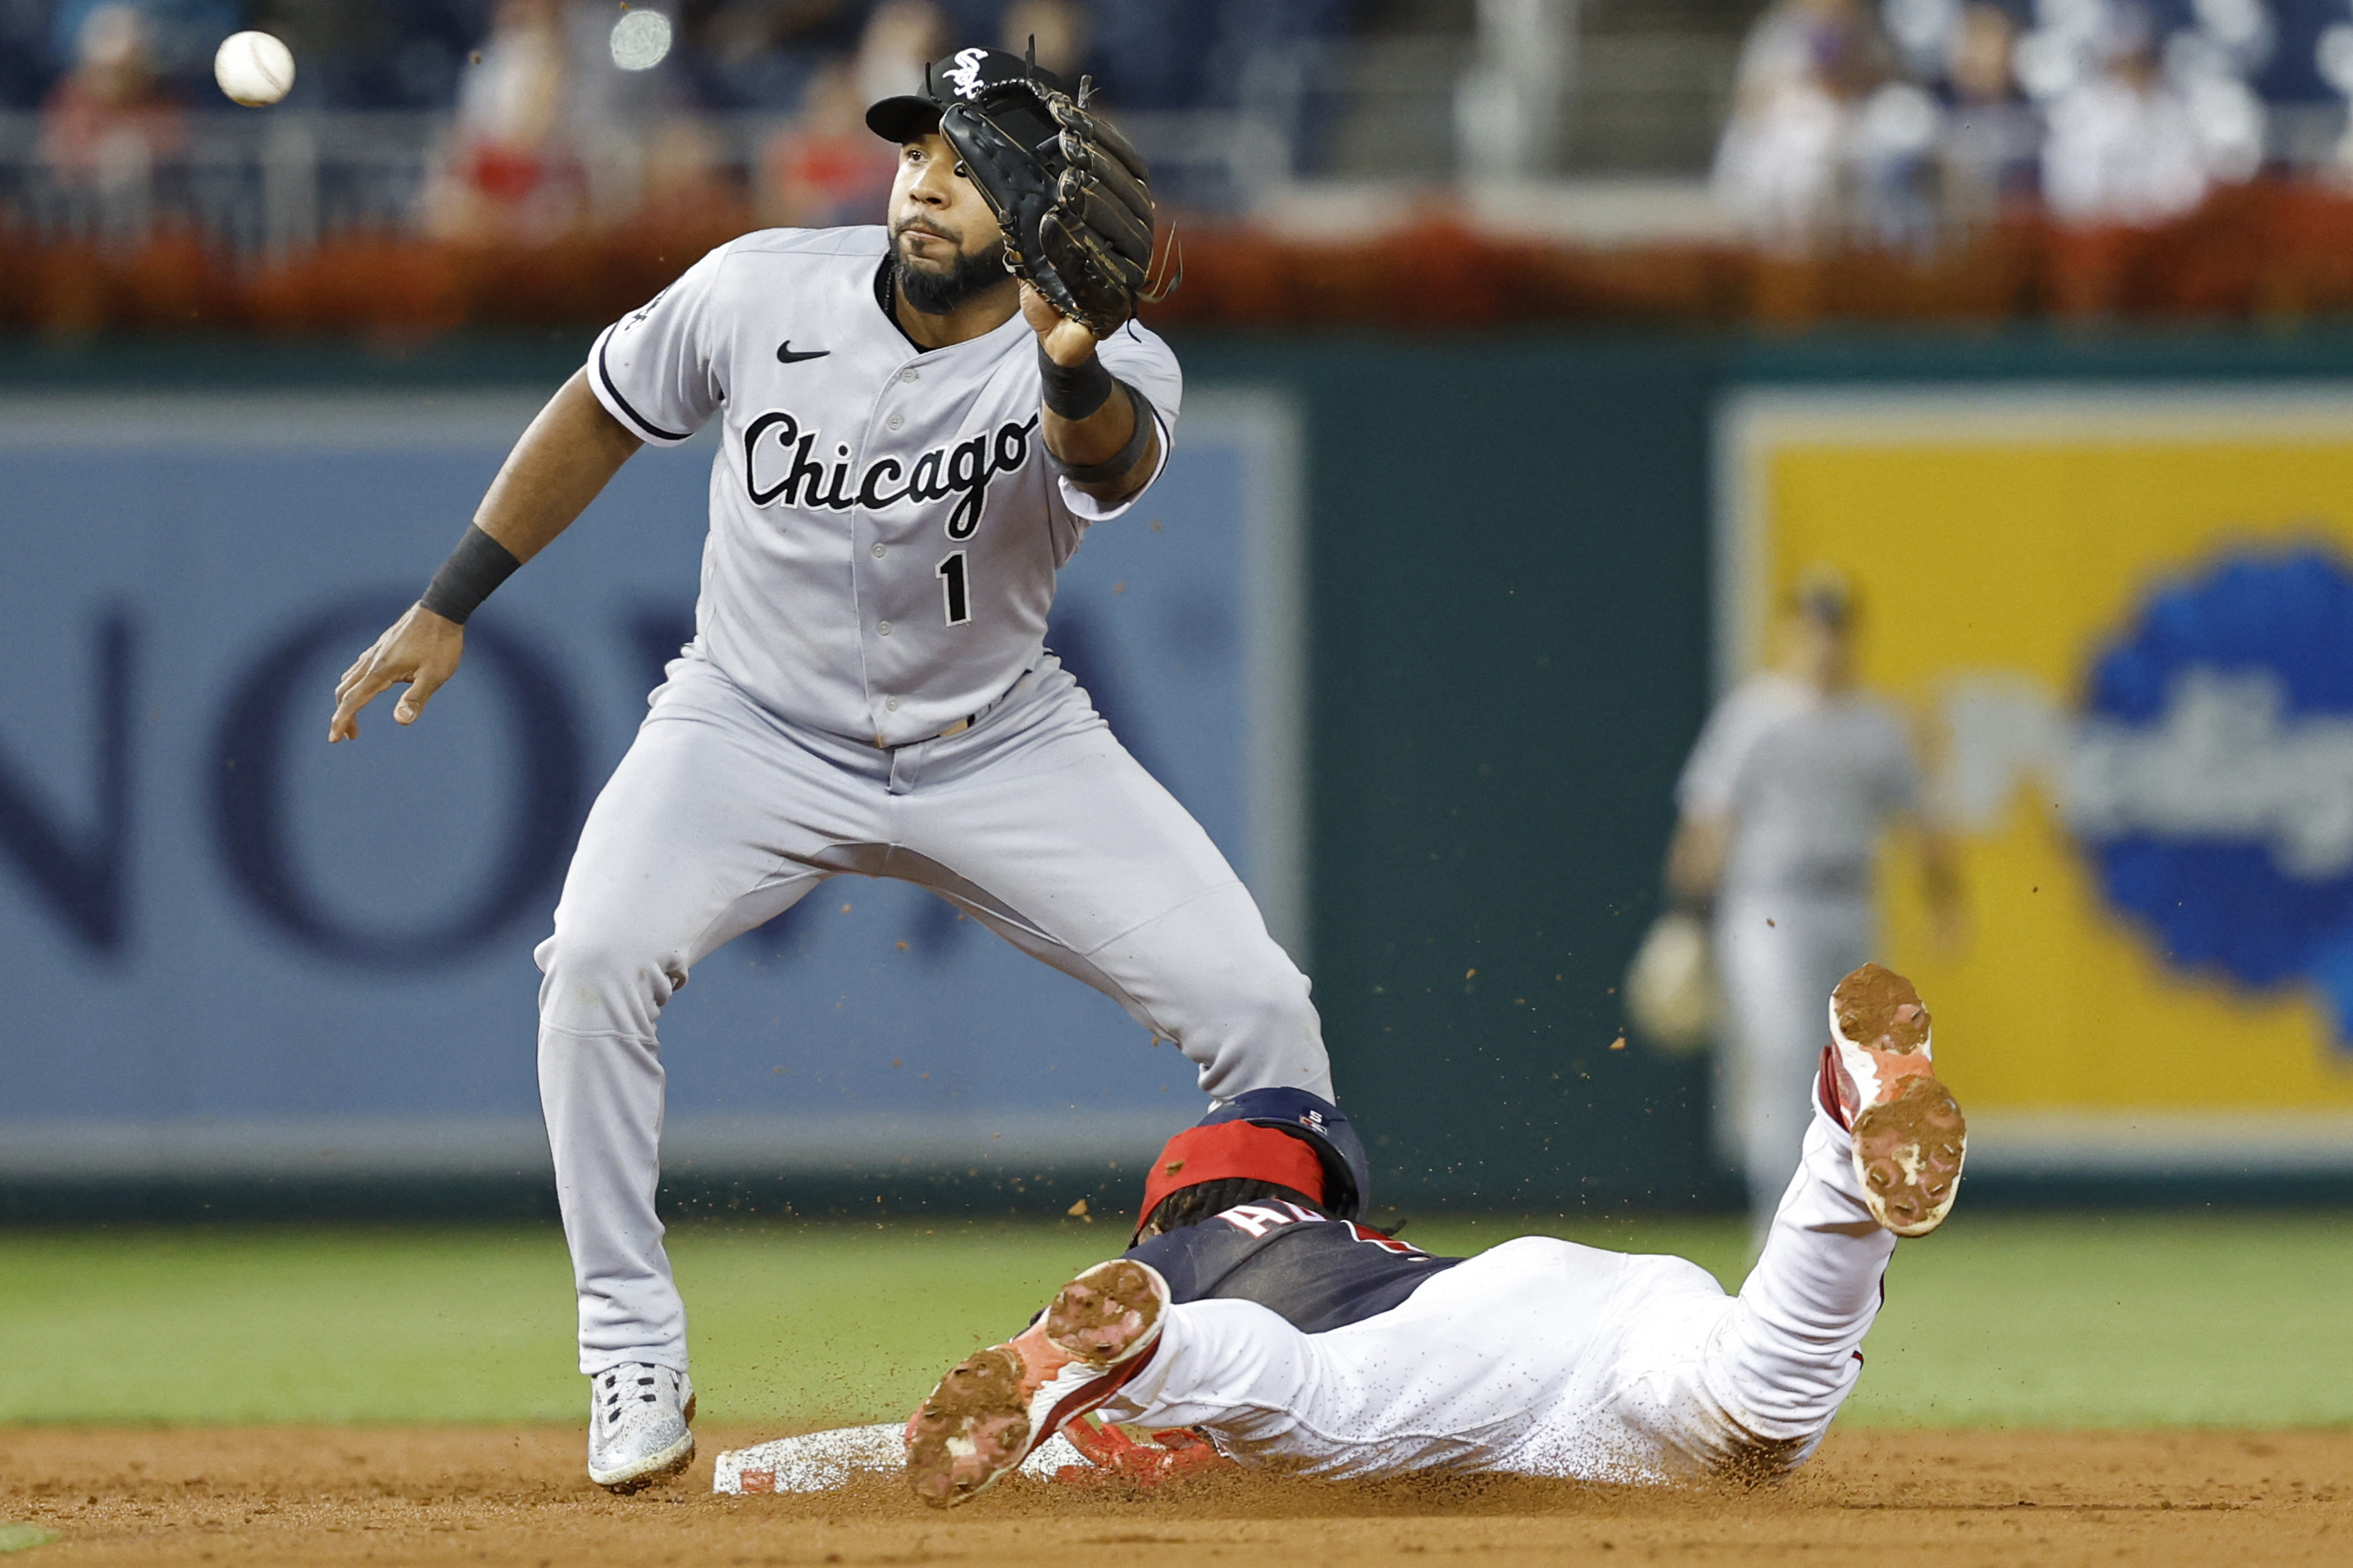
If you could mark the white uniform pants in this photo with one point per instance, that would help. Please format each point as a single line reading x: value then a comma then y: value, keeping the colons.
x: 721, y: 816
x: 1542, y: 1357
x: 1778, y: 959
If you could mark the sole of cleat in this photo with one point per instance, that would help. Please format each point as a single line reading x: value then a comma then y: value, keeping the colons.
x: 660, y: 1467
x: 972, y: 1430
x: 975, y: 1428
x: 1908, y: 1153
x: 1098, y: 1317
x: 1876, y: 1008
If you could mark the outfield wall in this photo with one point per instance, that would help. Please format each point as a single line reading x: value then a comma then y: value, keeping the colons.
x: 1509, y: 640
x: 271, y: 959
x: 1493, y: 778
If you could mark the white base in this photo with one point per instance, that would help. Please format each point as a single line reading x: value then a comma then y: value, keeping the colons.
x: 820, y: 1461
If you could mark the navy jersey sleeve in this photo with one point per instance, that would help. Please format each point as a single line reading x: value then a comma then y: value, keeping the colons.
x: 1314, y: 1272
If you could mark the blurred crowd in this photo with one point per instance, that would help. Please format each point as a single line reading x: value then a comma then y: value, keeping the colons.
x: 1899, y: 120
x: 1896, y: 122
x: 572, y: 113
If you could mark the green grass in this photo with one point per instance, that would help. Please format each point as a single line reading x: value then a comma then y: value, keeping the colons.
x: 1999, y: 1320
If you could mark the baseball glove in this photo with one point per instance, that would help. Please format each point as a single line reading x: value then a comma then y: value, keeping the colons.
x: 1071, y: 193
x: 1670, y: 985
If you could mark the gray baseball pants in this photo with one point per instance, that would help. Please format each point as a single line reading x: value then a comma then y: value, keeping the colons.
x: 1035, y: 821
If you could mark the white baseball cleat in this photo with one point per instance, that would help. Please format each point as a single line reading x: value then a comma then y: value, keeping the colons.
x: 1878, y: 1079
x: 638, y: 1417
x: 992, y: 1409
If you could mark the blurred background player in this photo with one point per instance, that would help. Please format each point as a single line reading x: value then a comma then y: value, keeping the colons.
x: 1784, y: 802
x: 1255, y: 1309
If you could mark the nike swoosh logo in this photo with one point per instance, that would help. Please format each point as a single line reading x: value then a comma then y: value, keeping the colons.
x: 784, y: 354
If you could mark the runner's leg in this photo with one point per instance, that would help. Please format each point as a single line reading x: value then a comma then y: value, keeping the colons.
x: 1750, y: 1384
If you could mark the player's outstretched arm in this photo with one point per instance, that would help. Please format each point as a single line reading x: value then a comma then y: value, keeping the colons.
x: 1094, y: 450
x: 569, y: 454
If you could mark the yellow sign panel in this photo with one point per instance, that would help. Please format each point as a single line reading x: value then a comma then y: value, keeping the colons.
x: 2125, y: 621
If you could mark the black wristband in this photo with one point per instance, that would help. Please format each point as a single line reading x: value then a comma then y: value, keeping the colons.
x: 478, y: 564
x: 1074, y: 391
x: 1116, y: 465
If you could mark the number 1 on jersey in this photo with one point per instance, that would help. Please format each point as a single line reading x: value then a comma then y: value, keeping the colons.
x: 956, y: 591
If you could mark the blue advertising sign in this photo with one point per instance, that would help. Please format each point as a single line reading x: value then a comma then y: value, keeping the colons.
x: 232, y: 948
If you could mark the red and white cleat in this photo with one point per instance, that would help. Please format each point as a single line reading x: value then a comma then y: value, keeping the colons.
x: 992, y: 1409
x: 1878, y: 1079
x: 1113, y: 1458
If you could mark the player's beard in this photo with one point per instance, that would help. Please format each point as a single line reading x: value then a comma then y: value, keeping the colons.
x: 937, y: 293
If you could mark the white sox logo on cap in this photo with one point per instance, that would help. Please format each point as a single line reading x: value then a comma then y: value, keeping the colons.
x: 966, y: 74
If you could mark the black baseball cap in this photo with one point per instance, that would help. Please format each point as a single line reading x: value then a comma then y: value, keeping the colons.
x: 962, y: 76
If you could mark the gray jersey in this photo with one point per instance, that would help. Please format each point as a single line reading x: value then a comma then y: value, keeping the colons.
x: 1808, y: 782
x: 884, y: 526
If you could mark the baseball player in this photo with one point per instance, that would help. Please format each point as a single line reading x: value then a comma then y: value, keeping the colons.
x: 914, y: 440
x: 1784, y: 801
x: 1256, y: 1310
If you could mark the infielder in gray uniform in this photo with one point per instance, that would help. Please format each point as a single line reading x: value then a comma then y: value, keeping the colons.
x: 914, y: 443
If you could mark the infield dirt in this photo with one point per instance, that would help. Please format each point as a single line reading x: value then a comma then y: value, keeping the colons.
x: 517, y: 1496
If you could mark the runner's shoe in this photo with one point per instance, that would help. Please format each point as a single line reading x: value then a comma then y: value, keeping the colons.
x: 1877, y: 1078
x: 1114, y: 1458
x: 638, y: 1417
x: 992, y: 1409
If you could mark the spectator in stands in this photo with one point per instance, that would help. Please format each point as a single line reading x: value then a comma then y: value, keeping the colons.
x: 106, y: 124
x: 1991, y: 140
x: 1892, y: 143
x: 824, y: 168
x: 1805, y: 67
x: 511, y: 171
x: 180, y: 34
x: 547, y: 139
x: 2122, y: 146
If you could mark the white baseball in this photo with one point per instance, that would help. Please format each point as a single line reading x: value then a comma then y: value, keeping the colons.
x: 254, y: 68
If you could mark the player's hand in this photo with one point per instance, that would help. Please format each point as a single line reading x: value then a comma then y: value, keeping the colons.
x: 420, y: 650
x: 1066, y: 341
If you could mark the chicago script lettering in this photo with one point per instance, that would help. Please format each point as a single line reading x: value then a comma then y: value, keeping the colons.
x: 780, y: 466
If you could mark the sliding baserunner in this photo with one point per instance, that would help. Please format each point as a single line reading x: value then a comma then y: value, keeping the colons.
x: 1254, y: 1308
